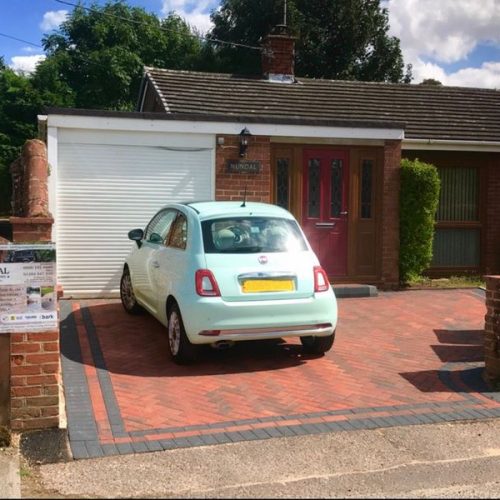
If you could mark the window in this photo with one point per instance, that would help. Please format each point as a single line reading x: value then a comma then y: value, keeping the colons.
x: 178, y: 235
x: 283, y: 183
x: 159, y: 226
x: 251, y: 234
x: 457, y: 235
x: 313, y: 201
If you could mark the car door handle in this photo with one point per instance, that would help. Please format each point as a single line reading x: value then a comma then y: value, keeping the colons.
x: 155, y: 264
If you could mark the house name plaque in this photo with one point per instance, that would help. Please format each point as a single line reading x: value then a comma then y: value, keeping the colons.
x: 243, y: 167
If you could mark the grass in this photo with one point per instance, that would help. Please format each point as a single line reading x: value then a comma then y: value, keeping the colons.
x: 468, y: 281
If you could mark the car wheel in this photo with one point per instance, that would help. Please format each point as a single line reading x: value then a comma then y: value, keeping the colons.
x: 127, y: 295
x: 318, y: 345
x: 181, y: 349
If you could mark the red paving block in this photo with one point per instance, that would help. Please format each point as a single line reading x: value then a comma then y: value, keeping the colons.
x: 389, y: 351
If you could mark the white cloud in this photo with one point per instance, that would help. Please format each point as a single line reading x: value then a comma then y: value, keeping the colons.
x: 446, y: 31
x: 197, y: 14
x: 26, y: 64
x: 53, y: 19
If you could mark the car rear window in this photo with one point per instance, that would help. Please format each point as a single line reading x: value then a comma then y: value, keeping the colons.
x: 251, y: 234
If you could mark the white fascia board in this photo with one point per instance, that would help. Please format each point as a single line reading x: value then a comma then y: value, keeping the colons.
x: 216, y: 127
x: 445, y: 145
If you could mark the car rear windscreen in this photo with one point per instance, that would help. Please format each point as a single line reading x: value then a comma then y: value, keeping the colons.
x: 252, y: 234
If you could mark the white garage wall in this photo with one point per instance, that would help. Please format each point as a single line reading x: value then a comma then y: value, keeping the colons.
x: 109, y: 182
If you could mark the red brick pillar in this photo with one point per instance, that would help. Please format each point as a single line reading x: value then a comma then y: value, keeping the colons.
x: 35, y: 367
x: 390, y: 214
x: 492, y: 331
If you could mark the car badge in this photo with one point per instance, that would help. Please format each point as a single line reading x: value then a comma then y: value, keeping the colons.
x: 263, y: 259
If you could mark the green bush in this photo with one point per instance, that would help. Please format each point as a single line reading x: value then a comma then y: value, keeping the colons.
x: 420, y: 186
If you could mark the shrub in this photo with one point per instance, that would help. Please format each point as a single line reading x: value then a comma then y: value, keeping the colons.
x: 420, y: 186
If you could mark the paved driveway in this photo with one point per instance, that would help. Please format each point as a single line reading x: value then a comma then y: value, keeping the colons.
x: 400, y: 358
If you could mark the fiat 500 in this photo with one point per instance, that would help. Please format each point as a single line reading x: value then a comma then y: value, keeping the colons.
x: 221, y: 272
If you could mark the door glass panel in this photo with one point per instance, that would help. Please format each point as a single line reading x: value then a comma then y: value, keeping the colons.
x: 283, y: 183
x: 366, y: 189
x: 336, y: 188
x: 313, y: 200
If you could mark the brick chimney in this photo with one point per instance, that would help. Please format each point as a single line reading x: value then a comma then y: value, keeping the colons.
x: 278, y: 55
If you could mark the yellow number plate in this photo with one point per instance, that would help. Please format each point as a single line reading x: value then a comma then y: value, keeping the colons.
x: 253, y: 286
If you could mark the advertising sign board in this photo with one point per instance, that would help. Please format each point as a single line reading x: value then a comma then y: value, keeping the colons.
x: 28, y: 295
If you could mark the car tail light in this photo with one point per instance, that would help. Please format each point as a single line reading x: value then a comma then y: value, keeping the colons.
x: 321, y: 283
x: 206, y: 285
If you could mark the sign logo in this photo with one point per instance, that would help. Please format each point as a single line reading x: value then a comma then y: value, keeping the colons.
x: 263, y: 259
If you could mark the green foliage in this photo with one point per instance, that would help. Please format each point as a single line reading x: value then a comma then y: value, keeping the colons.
x: 338, y: 39
x: 96, y: 58
x: 420, y: 186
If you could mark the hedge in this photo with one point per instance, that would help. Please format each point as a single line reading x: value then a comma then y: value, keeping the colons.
x: 419, y: 199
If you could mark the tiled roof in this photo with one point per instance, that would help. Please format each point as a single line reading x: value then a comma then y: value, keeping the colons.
x: 427, y: 112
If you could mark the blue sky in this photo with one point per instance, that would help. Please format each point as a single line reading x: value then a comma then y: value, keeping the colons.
x: 453, y: 41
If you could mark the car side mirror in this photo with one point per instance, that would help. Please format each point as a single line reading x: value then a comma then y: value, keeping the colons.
x: 136, y: 235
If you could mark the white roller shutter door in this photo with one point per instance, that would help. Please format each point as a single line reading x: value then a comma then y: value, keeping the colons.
x: 103, y: 191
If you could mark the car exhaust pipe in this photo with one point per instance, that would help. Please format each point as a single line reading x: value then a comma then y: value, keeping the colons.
x: 223, y: 344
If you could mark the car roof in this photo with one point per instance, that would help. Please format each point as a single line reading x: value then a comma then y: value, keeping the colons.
x: 211, y: 209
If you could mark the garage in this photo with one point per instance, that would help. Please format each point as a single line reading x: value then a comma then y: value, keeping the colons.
x: 105, y: 182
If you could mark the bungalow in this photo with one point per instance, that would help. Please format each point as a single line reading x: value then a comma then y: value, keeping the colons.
x: 329, y: 151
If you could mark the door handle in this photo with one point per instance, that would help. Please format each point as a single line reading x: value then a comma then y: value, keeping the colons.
x: 155, y: 264
x: 344, y: 213
x: 325, y: 224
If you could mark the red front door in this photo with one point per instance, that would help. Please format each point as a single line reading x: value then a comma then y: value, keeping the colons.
x: 326, y: 177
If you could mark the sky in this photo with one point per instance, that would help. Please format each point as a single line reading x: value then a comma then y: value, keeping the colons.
x: 454, y: 41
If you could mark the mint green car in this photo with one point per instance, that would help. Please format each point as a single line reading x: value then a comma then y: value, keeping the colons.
x: 223, y: 272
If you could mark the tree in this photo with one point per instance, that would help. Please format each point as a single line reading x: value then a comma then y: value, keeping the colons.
x: 19, y: 105
x: 431, y: 81
x: 338, y: 39
x: 96, y: 58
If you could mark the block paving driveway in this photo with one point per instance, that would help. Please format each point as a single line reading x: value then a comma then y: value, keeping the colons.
x: 402, y: 358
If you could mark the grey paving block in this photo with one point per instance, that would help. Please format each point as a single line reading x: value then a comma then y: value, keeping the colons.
x: 124, y: 448
x: 274, y: 432
x: 82, y: 435
x: 79, y: 450
x: 196, y: 440
x: 94, y: 448
x: 334, y: 426
x: 261, y: 433
x: 222, y: 437
x: 154, y: 445
x: 249, y: 435
x: 311, y: 428
x: 139, y: 446
x: 182, y: 442
x: 208, y: 439
x: 168, y: 444
x: 109, y: 449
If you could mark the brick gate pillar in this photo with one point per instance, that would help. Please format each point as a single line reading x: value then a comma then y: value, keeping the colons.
x: 35, y: 367
x: 492, y: 331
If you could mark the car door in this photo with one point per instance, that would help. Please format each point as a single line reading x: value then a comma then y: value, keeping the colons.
x: 169, y: 262
x: 143, y: 264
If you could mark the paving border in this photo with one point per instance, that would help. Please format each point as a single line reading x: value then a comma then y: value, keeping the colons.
x: 86, y: 441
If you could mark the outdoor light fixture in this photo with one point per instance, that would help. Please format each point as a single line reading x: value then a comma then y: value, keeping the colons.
x: 244, y: 135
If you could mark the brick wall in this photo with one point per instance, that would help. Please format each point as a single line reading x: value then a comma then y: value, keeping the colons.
x: 492, y: 252
x: 279, y: 56
x: 35, y: 379
x: 492, y: 331
x: 390, y: 214
x: 231, y: 186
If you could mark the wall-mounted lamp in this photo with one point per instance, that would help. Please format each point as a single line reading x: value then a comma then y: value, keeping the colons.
x: 244, y: 135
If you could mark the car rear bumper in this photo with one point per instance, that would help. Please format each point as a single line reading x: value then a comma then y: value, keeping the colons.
x: 217, y: 320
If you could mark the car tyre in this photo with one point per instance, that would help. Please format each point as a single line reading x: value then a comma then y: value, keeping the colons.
x: 127, y: 296
x: 181, y: 349
x: 317, y: 345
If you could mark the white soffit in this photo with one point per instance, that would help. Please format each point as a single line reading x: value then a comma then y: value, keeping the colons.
x: 217, y: 127
x: 444, y: 145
